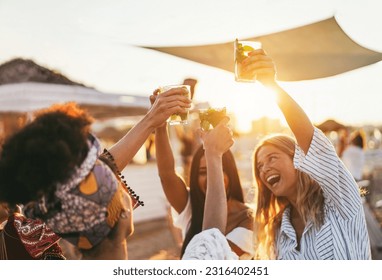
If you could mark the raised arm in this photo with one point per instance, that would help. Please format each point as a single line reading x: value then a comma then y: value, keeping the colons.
x: 216, y: 142
x: 211, y: 243
x: 173, y: 185
x: 261, y: 64
x: 165, y: 105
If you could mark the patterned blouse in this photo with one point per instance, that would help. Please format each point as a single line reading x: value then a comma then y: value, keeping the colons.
x: 343, y: 234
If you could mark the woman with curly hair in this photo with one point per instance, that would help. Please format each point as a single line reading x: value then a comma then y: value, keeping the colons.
x: 55, y: 167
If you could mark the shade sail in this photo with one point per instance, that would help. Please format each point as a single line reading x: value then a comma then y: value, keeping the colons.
x: 317, y: 50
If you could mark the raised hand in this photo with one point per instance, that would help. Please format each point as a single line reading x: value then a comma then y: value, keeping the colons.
x: 165, y: 104
x: 259, y: 63
x: 262, y: 65
x: 218, y: 140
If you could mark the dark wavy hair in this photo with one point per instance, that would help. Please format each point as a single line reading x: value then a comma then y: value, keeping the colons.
x: 43, y: 153
x: 197, y: 197
x: 357, y: 139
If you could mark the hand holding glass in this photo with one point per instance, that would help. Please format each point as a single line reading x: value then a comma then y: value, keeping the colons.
x: 241, y: 51
x: 179, y: 118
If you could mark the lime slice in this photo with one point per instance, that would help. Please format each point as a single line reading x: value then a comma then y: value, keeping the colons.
x: 248, y: 49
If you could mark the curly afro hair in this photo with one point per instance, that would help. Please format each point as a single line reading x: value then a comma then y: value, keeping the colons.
x: 43, y: 153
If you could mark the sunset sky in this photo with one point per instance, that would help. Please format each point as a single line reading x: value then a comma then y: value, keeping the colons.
x: 97, y: 43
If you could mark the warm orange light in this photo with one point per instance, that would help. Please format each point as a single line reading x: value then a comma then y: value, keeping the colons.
x: 251, y: 103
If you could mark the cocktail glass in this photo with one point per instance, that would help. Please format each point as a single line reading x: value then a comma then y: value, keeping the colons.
x: 241, y: 51
x: 179, y: 118
x: 209, y: 118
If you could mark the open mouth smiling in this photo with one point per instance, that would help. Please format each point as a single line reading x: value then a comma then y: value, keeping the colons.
x: 273, y: 179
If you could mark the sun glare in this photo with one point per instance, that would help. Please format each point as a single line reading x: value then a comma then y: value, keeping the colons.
x: 251, y: 102
x: 244, y: 102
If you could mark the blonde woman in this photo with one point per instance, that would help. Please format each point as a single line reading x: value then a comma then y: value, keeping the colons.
x: 308, y: 205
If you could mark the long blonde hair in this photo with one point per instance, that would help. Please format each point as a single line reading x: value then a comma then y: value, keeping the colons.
x: 270, y: 208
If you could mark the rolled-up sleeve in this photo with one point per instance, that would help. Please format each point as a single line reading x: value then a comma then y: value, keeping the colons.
x: 324, y: 166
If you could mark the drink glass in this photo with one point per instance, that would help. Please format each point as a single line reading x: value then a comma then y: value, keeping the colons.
x: 241, y: 51
x: 178, y: 118
x: 211, y: 117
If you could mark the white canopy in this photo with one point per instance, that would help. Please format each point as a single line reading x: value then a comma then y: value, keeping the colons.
x: 98, y: 42
x: 28, y: 97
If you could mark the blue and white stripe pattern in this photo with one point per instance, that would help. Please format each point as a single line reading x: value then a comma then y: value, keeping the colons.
x: 343, y: 236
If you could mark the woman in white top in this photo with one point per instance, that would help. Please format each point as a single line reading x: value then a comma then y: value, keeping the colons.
x: 188, y: 201
x: 309, y: 205
x: 354, y: 155
x: 210, y: 243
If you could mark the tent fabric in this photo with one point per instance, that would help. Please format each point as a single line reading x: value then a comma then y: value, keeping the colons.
x: 28, y: 97
x: 331, y: 125
x: 26, y: 86
x: 313, y: 51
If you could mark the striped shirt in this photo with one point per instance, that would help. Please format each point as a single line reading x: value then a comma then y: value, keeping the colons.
x: 343, y: 234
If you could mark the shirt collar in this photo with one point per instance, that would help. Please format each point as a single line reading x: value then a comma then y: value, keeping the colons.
x: 286, y: 225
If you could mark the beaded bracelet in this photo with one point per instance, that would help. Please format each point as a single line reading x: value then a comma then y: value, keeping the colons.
x: 110, y: 159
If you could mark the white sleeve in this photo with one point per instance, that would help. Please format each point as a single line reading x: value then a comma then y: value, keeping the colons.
x: 354, y: 159
x: 243, y: 238
x: 209, y: 245
x: 183, y: 219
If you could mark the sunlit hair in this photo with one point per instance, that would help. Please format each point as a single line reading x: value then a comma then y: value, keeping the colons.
x: 198, y: 197
x: 43, y: 153
x: 270, y: 208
